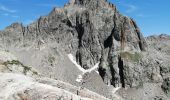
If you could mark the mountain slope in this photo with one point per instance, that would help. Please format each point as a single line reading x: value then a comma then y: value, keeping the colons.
x: 88, y: 43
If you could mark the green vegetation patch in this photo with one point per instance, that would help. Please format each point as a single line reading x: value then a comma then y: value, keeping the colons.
x: 16, y: 62
x: 13, y: 62
x: 51, y: 60
x: 25, y: 45
x: 135, y: 57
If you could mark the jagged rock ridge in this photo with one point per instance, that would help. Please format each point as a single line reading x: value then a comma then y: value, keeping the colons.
x: 94, y: 32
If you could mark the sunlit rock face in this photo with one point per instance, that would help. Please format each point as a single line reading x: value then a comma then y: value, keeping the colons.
x: 106, y: 48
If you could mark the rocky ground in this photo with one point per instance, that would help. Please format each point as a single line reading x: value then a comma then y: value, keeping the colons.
x: 20, y: 82
x: 85, y: 50
x: 20, y: 87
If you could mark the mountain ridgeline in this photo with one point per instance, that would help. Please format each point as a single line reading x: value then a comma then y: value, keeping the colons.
x: 93, y: 31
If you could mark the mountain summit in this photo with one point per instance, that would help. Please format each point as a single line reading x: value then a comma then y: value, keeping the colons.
x: 88, y: 44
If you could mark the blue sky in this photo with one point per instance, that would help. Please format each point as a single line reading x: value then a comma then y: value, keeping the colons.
x: 152, y: 16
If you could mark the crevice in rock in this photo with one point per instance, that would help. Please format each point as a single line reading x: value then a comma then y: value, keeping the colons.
x: 80, y: 29
x: 121, y: 73
x: 102, y: 72
x: 78, y: 58
x: 80, y: 2
x: 23, y: 30
x: 122, y: 39
x: 38, y: 25
x: 123, y: 35
x: 67, y: 22
x: 28, y: 30
x: 115, y: 30
x: 141, y: 43
x: 114, y: 80
x: 45, y: 28
x: 108, y: 42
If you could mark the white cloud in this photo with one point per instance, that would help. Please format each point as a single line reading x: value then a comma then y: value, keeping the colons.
x: 5, y: 9
x: 9, y: 15
x: 143, y: 15
x: 131, y: 8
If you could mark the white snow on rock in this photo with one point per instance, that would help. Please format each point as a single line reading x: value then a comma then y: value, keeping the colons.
x: 97, y: 72
x: 115, y: 89
x: 72, y: 59
x: 80, y: 77
x: 93, y: 68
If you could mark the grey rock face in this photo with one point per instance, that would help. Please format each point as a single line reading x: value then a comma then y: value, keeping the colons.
x: 161, y: 45
x: 103, y: 33
x: 92, y: 30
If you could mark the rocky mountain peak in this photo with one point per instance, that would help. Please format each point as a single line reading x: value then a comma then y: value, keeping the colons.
x: 92, y: 30
x: 15, y: 26
x: 88, y: 43
x: 92, y: 4
x: 86, y: 2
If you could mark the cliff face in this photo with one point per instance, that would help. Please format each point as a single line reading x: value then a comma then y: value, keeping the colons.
x: 93, y: 31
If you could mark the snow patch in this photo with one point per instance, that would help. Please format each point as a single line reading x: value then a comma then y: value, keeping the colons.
x: 80, y: 77
x: 93, y: 68
x: 97, y: 72
x: 115, y: 89
x: 72, y: 59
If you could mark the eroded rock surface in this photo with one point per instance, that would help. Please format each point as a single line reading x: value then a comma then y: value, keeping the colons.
x: 92, y: 30
x: 94, y: 33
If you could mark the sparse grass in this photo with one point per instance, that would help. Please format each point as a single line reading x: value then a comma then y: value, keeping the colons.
x: 26, y: 69
x: 51, y: 60
x: 25, y: 45
x: 140, y: 85
x: 16, y: 62
x: 35, y: 73
x: 13, y: 62
x: 130, y: 56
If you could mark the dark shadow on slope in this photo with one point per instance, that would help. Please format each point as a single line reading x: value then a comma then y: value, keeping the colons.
x: 121, y: 73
